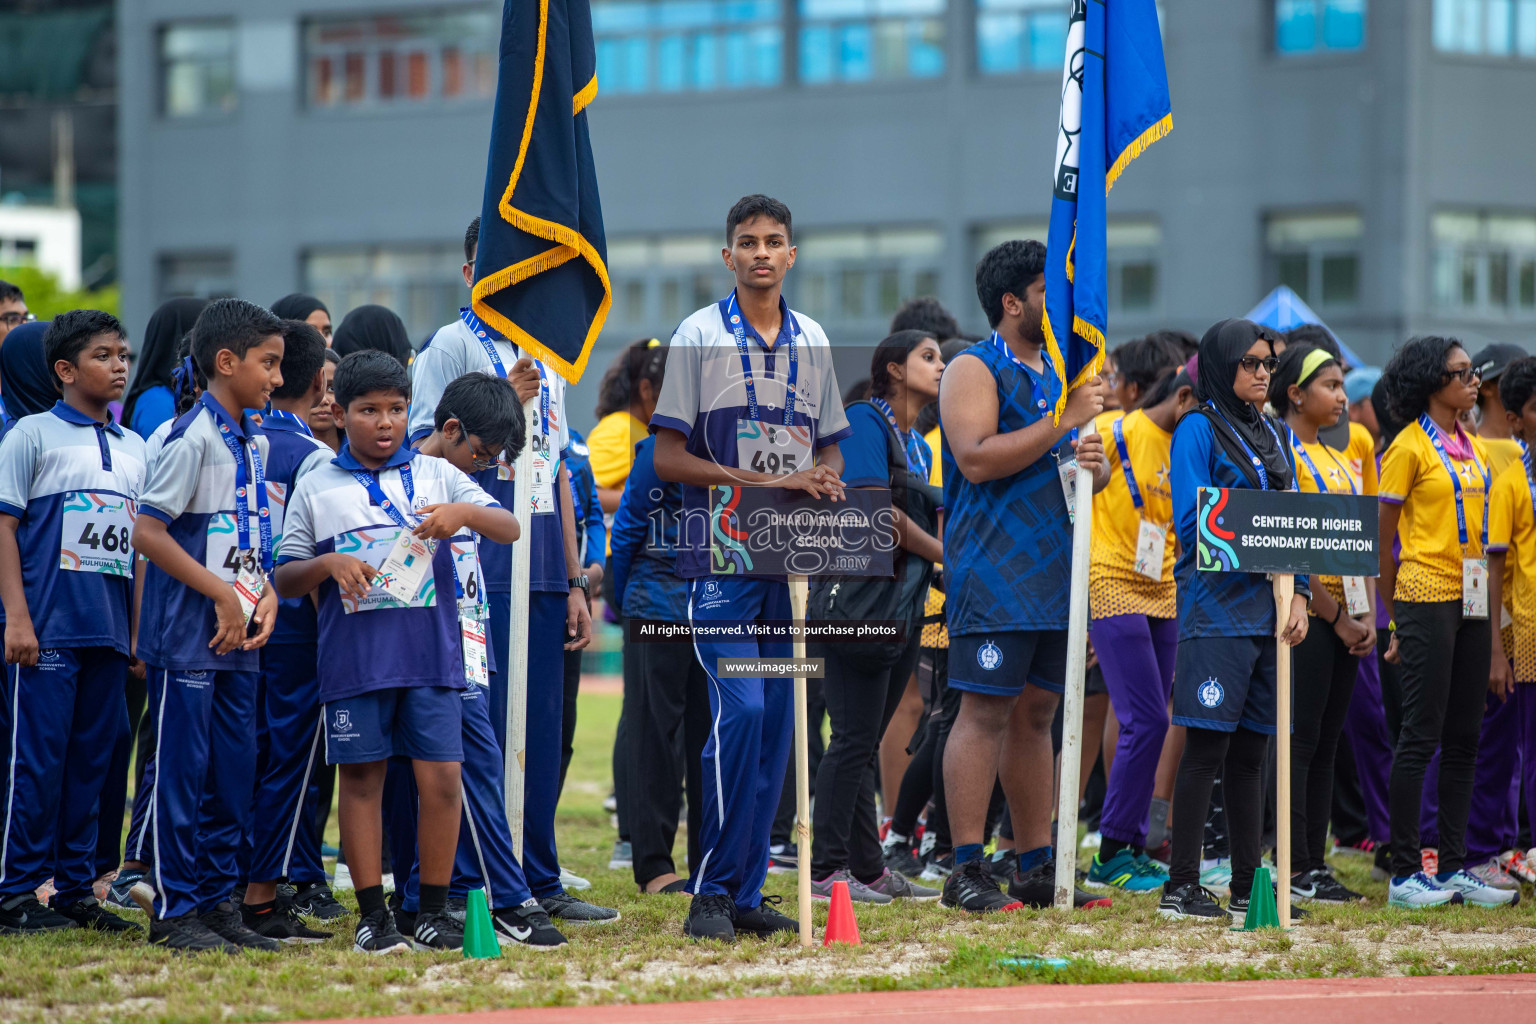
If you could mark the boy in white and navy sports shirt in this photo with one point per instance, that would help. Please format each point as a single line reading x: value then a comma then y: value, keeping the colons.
x: 69, y: 479
x: 391, y: 656
x: 205, y: 526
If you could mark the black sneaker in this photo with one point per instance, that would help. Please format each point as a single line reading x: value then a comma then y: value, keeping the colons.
x: 457, y: 907
x: 316, y: 900
x: 281, y: 923
x: 764, y: 920
x: 1190, y: 900
x: 562, y: 906
x: 437, y: 931
x: 902, y: 859
x: 1037, y: 888
x: 938, y: 866
x: 405, y: 920
x: 1000, y: 866
x: 89, y: 913
x: 972, y: 889
x: 24, y: 914
x: 527, y: 925
x: 224, y: 920
x: 711, y: 916
x: 1319, y: 886
x: 187, y: 934
x: 376, y: 934
x: 1237, y: 906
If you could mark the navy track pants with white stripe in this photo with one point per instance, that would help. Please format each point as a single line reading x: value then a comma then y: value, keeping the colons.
x: 751, y: 726
x: 283, y: 843
x: 61, y: 722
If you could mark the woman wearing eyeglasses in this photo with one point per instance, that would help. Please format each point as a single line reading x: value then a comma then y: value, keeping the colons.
x: 1434, y: 481
x: 1224, y: 671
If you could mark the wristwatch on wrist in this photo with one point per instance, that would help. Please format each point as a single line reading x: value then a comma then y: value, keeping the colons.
x: 579, y: 581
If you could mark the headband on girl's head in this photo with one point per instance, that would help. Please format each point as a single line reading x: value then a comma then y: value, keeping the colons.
x: 1311, y: 363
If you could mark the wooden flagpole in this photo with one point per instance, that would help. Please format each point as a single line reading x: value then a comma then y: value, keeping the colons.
x: 798, y: 593
x: 1072, y: 711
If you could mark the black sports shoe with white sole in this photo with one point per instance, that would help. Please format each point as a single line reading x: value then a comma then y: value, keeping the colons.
x: 526, y: 925
x: 1190, y: 900
x: 1237, y: 906
x: 187, y: 934
x: 973, y: 889
x: 1320, y: 886
x: 319, y: 902
x: 437, y: 931
x: 376, y: 934
x: 1037, y: 888
x: 89, y: 913
x: 562, y: 906
x: 281, y: 923
x: 24, y: 914
x: 711, y: 916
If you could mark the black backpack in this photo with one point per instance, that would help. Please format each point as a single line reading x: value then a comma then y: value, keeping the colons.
x: 897, y: 598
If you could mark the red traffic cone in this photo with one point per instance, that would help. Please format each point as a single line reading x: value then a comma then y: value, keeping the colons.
x: 842, y: 926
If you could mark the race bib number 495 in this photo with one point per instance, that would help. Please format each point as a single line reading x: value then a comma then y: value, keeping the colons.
x: 97, y: 533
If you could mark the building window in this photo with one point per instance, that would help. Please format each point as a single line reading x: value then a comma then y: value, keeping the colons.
x: 202, y: 275
x: 1312, y: 26
x: 860, y: 40
x: 1484, y: 263
x: 1317, y: 255
x: 1495, y: 28
x: 390, y: 59
x: 1132, y: 258
x: 197, y: 69
x: 688, y: 45
x: 856, y: 279
x: 422, y: 283
x: 1013, y: 36
x: 659, y: 281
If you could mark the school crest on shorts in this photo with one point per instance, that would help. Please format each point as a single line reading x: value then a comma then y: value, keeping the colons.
x: 989, y: 656
x: 343, y: 719
x: 1210, y: 693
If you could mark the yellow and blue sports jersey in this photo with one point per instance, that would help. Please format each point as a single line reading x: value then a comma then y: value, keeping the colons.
x: 1007, y: 542
x: 1212, y: 603
x: 1504, y: 452
x: 191, y: 488
x: 644, y: 552
x: 72, y: 483
x: 378, y: 643
x: 1114, y: 585
x: 1322, y: 470
x: 935, y: 634
x: 1413, y: 476
x: 934, y: 439
x: 611, y: 446
x: 1512, y: 529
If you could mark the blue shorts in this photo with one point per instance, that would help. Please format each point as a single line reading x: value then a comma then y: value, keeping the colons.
x: 1001, y: 664
x: 1221, y: 682
x: 424, y: 723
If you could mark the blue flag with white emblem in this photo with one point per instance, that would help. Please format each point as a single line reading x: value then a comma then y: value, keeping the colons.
x: 1114, y: 103
x: 541, y: 275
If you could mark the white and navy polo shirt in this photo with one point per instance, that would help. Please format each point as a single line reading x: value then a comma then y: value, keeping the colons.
x: 191, y: 486
x: 704, y: 397
x: 457, y: 349
x: 378, y: 643
x: 74, y: 482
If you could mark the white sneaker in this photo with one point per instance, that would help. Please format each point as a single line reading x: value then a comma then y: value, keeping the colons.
x: 1519, y: 865
x: 1492, y: 873
x: 570, y: 880
x: 1216, y: 875
x: 1474, y: 891
x: 342, y: 879
x: 1418, y: 891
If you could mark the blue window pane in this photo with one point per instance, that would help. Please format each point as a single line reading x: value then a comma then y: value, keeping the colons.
x: 684, y: 13
x: 816, y: 54
x: 619, y: 17
x: 706, y: 61
x: 1525, y: 31
x: 1344, y: 24
x: 856, y: 53
x: 671, y: 63
x: 1295, y: 26
x: 736, y: 67
x: 925, y: 51
x: 767, y: 56
x: 1500, y: 17
x: 637, y: 71
x: 999, y: 43
x: 1047, y: 41
x: 607, y: 65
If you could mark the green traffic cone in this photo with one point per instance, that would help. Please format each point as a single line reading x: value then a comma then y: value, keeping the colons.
x: 479, y: 934
x: 1261, y: 903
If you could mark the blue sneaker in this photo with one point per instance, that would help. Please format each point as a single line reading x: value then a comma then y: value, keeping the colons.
x: 1124, y: 872
x: 1418, y: 891
x: 117, y: 893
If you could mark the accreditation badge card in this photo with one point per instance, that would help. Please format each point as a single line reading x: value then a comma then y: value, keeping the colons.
x: 1067, y: 470
x: 374, y: 546
x: 1151, y: 543
x: 406, y: 566
x: 1474, y: 588
x: 477, y: 667
x: 1355, y: 601
x: 96, y: 534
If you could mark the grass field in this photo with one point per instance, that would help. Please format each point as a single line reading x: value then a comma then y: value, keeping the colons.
x: 75, y: 976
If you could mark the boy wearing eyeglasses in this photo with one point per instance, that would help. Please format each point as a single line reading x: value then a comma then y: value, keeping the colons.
x: 13, y: 309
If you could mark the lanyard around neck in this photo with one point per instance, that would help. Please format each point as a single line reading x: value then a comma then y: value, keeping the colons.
x: 914, y: 447
x: 1306, y: 460
x: 1433, y: 433
x: 738, y: 328
x: 1258, y: 463
x: 243, y: 487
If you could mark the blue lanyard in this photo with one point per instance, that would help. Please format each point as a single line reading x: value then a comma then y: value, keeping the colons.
x: 1125, y: 463
x: 734, y: 318
x: 283, y: 416
x: 1037, y: 391
x: 916, y: 448
x: 1258, y: 463
x: 1301, y: 453
x: 481, y: 333
x: 370, y: 482
x: 1433, y: 433
x: 243, y: 498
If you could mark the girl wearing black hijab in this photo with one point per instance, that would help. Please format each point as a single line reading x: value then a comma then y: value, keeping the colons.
x: 151, y: 400
x: 307, y: 308
x: 375, y: 327
x: 1224, y: 673
x: 25, y: 380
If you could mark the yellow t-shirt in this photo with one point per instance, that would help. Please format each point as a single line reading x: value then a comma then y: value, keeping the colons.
x: 936, y: 474
x: 1114, y: 585
x: 1503, y: 452
x: 934, y: 634
x: 611, y: 447
x: 1413, y: 476
x: 1512, y: 528
x: 1343, y: 472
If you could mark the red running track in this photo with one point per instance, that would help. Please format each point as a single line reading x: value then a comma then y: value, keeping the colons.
x: 1507, y: 997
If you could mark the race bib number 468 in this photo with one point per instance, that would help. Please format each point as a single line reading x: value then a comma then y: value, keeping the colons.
x: 97, y: 532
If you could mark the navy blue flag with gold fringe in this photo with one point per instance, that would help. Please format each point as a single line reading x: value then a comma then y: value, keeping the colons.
x: 541, y: 273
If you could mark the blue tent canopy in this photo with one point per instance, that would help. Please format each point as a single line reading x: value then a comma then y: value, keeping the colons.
x: 1283, y: 309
